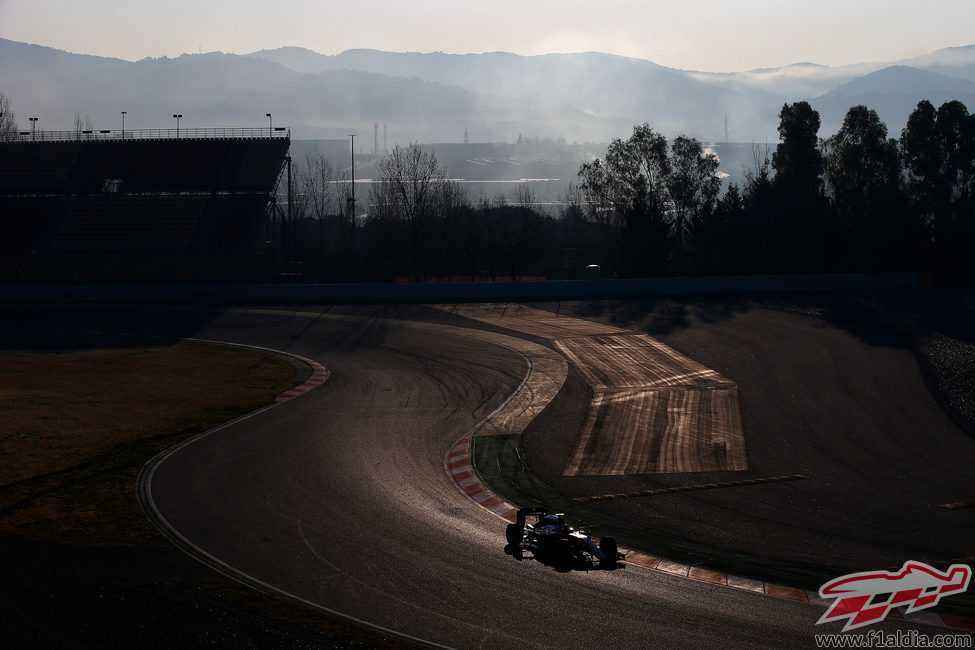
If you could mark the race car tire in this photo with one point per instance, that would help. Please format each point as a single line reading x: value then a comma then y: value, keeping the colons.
x: 561, y: 554
x: 608, y: 547
x: 513, y: 533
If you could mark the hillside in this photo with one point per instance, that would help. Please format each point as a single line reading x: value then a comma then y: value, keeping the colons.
x: 893, y: 92
x: 437, y: 97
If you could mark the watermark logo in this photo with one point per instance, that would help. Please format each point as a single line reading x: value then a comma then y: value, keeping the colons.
x: 866, y: 598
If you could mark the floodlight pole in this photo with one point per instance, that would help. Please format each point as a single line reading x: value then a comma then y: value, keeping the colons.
x: 177, y: 123
x: 290, y: 210
x: 270, y: 125
x: 123, y: 125
x: 352, y: 135
x: 33, y: 123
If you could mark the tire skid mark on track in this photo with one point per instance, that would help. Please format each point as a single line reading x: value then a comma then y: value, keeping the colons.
x: 458, y: 464
x: 144, y: 494
x: 513, y: 414
x: 654, y: 410
x: 690, y: 488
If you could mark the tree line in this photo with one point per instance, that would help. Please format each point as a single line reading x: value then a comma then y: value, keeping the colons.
x: 413, y: 223
x: 857, y: 201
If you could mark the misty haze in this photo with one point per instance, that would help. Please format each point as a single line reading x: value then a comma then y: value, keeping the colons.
x: 399, y: 349
x: 567, y: 105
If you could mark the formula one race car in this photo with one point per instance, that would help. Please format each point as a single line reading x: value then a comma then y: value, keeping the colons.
x: 553, y: 542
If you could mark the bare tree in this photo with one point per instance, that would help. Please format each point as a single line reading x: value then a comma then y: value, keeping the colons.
x: 317, y: 182
x: 452, y: 204
x: 408, y: 190
x: 521, y: 225
x: 8, y: 121
x: 317, y: 187
x: 82, y: 123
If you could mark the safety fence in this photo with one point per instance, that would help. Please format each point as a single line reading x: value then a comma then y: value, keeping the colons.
x: 37, y: 135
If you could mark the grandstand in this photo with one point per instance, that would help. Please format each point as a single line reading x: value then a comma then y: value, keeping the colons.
x: 138, y: 206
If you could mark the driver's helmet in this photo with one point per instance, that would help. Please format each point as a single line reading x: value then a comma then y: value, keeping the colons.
x: 552, y: 519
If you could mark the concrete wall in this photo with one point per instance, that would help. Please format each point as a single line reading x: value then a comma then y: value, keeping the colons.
x: 461, y: 292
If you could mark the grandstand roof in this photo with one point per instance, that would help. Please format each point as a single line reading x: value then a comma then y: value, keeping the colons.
x: 233, y: 164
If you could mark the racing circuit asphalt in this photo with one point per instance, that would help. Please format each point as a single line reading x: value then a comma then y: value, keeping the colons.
x: 841, y: 401
x: 339, y: 498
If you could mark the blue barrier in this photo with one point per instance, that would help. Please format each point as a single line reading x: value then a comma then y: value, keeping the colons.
x: 459, y: 292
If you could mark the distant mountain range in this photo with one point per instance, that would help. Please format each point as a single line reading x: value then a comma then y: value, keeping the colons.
x: 439, y: 97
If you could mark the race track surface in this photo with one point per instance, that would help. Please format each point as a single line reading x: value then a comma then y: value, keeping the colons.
x: 339, y: 498
x: 838, y: 399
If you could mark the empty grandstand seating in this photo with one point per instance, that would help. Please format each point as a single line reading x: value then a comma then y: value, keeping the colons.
x: 254, y: 170
x: 27, y: 223
x: 37, y: 168
x: 201, y: 165
x: 119, y: 222
x: 229, y: 222
x: 136, y: 197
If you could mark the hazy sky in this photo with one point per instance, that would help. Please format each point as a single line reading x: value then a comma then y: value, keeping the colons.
x: 729, y: 35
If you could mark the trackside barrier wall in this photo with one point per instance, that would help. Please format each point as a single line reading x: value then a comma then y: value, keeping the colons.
x: 460, y: 292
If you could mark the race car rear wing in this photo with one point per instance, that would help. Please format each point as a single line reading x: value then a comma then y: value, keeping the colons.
x: 523, y: 514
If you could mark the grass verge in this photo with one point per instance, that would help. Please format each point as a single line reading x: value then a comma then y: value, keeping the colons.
x: 76, y: 426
